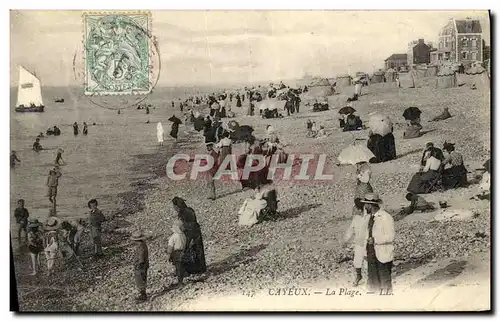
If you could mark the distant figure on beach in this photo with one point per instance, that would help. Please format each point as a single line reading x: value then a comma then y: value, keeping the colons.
x: 159, y: 133
x: 174, y: 130
x: 119, y: 112
x: 75, y: 128
x: 85, y: 129
x: 59, y: 158
x: 444, y: 115
x: 147, y: 110
x: 40, y: 135
x: 21, y: 215
x: 36, y: 145
x: 13, y: 159
x: 96, y: 218
x: 52, y: 183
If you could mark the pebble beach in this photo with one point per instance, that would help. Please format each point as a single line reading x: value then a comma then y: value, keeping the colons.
x: 121, y: 164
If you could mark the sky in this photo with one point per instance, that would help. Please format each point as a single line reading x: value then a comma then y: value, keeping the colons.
x: 237, y: 47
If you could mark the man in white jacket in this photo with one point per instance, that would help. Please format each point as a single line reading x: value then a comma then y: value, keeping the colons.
x: 379, y: 245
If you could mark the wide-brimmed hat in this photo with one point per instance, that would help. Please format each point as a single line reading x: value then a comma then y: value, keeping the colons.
x: 92, y: 201
x: 52, y: 224
x: 137, y: 236
x: 33, y: 222
x: 371, y: 198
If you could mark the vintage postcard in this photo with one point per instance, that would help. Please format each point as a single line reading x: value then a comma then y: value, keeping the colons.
x: 250, y: 160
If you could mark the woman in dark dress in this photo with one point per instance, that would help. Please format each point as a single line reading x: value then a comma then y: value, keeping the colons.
x: 424, y: 181
x: 194, y: 260
x: 456, y: 175
x: 238, y: 100
x: 175, y: 126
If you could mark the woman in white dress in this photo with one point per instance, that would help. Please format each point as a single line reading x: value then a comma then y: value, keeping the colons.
x: 159, y: 133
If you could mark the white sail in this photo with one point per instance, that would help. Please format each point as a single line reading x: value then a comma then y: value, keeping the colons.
x: 29, y: 90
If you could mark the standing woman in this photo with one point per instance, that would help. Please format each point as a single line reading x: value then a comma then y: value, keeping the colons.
x: 194, y: 240
x: 75, y: 128
x: 85, y: 129
x: 175, y: 126
x: 159, y: 133
x: 35, y: 244
x: 238, y: 100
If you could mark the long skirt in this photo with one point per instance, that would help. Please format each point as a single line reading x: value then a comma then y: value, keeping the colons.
x: 454, y: 177
x: 383, y: 147
x: 194, y: 238
x: 422, y: 182
x: 238, y: 102
x: 175, y: 130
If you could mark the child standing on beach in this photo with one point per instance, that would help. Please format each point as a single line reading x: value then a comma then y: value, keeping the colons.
x: 141, y: 265
x: 175, y: 250
x: 96, y: 218
x: 357, y: 232
x: 52, y: 183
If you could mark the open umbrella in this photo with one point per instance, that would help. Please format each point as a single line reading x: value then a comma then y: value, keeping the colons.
x: 354, y: 154
x: 412, y: 113
x: 346, y: 110
x: 175, y: 120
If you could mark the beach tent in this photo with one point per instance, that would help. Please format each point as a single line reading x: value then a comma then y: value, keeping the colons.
x: 419, y: 76
x: 406, y: 80
x: 446, y: 78
x: 343, y: 80
x: 478, y: 76
x: 378, y: 76
x: 390, y: 75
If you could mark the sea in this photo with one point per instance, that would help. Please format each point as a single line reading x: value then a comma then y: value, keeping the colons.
x: 97, y: 164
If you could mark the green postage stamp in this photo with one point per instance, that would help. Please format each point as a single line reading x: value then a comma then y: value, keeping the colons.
x: 117, y: 53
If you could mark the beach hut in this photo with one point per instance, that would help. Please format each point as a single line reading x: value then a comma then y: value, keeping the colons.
x: 390, y: 75
x: 478, y: 76
x: 378, y: 76
x: 406, y: 80
x: 446, y: 78
x: 343, y: 80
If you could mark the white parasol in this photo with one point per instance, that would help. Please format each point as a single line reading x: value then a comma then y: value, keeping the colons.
x: 354, y: 154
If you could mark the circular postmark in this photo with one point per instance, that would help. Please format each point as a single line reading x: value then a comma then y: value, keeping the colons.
x: 118, y: 64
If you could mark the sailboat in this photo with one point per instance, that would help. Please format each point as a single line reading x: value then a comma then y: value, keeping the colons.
x: 29, y: 92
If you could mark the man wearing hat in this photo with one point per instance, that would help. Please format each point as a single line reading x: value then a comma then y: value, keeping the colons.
x: 141, y: 264
x: 21, y: 215
x: 96, y: 218
x: 379, y: 245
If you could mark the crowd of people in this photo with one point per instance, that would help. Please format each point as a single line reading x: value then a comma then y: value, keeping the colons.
x: 371, y: 231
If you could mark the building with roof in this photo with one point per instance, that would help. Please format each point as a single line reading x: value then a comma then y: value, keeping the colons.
x: 460, y: 41
x: 419, y: 52
x: 397, y: 62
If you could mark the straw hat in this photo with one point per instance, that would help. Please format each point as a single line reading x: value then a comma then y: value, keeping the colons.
x: 137, y: 236
x: 371, y: 198
x: 52, y: 224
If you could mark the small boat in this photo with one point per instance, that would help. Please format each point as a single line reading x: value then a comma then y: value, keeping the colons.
x: 59, y: 100
x: 29, y: 92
